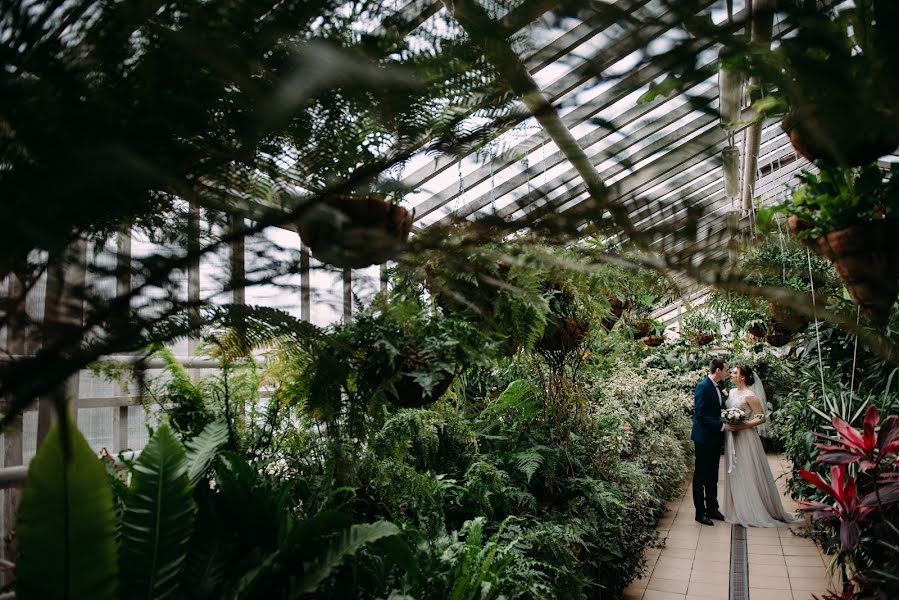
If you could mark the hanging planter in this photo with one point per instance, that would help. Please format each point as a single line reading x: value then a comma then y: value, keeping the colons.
x: 653, y: 341
x: 756, y: 330
x: 837, y: 141
x: 564, y: 334
x: 730, y: 158
x: 642, y: 328
x: 354, y: 231
x: 702, y: 339
x: 784, y: 318
x: 851, y: 216
x: 618, y: 306
x: 411, y: 394
x: 778, y: 337
x: 866, y: 256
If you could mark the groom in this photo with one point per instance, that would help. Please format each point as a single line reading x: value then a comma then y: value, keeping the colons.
x: 708, y: 437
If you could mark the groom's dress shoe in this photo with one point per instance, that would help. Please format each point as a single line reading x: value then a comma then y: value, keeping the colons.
x: 715, y: 514
x: 704, y: 520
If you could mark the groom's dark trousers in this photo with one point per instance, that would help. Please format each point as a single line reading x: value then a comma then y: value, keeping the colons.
x: 707, y: 438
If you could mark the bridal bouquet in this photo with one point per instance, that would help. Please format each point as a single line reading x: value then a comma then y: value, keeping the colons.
x: 733, y: 416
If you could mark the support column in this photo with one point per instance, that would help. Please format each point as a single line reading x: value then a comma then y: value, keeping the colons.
x: 123, y: 288
x: 762, y: 30
x: 347, y: 295
x: 12, y: 437
x: 193, y: 277
x: 305, y: 286
x: 63, y: 312
x: 238, y: 275
x: 238, y: 261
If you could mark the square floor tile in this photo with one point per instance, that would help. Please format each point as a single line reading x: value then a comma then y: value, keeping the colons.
x: 801, y: 551
x: 671, y: 562
x: 766, y: 594
x: 677, y: 553
x: 809, y: 583
x: 673, y: 586
x: 712, y: 566
x: 681, y: 543
x: 765, y: 559
x: 769, y: 570
x: 760, y: 580
x: 804, y: 561
x: 716, y: 578
x: 708, y: 590
x: 819, y: 572
x: 671, y: 573
x: 659, y: 595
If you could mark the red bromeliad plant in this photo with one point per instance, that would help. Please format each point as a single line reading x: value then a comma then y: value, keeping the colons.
x: 850, y: 508
x: 868, y: 447
x: 875, y: 450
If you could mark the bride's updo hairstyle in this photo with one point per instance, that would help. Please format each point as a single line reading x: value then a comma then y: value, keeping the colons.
x: 746, y: 372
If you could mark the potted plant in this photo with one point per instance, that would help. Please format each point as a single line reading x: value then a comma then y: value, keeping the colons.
x: 836, y: 80
x: 397, y: 351
x: 656, y: 335
x: 700, y: 329
x: 852, y: 217
x: 566, y: 325
x: 617, y: 306
x: 356, y: 230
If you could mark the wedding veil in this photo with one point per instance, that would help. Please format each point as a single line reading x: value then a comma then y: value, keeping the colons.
x: 758, y: 390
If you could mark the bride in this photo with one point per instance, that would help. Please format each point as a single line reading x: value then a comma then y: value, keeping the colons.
x: 750, y: 496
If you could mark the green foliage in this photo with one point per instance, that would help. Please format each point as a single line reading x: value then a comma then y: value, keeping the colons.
x: 66, y: 523
x: 184, y: 402
x: 158, y: 519
x: 835, y: 198
x: 699, y: 323
x: 773, y: 263
x: 350, y: 542
x: 202, y: 449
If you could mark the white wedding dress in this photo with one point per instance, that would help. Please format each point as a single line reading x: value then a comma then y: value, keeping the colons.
x: 750, y: 495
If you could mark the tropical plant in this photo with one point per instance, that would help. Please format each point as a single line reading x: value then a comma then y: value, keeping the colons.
x: 838, y: 198
x: 863, y: 507
x: 170, y: 540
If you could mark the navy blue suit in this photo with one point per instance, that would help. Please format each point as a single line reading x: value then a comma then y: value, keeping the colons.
x: 707, y: 437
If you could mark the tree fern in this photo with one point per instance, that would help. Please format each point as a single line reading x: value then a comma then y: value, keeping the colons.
x: 347, y: 544
x: 529, y: 460
x: 202, y: 448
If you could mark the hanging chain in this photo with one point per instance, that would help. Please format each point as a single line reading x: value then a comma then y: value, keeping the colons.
x: 492, y: 183
x: 460, y: 197
x: 858, y: 313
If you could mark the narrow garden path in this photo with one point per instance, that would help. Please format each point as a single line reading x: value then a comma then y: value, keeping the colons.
x: 699, y: 562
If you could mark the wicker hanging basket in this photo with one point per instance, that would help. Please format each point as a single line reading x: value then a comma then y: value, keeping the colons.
x: 817, y: 137
x: 410, y: 394
x: 778, y: 336
x: 653, y: 341
x: 356, y: 231
x: 642, y: 329
x: 564, y: 334
x: 702, y: 339
x: 866, y: 256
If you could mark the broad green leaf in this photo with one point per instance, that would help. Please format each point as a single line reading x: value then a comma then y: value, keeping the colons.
x: 201, y: 450
x: 66, y: 525
x: 158, y: 520
x: 333, y: 555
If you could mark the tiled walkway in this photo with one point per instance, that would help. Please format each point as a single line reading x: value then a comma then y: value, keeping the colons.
x: 695, y: 560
